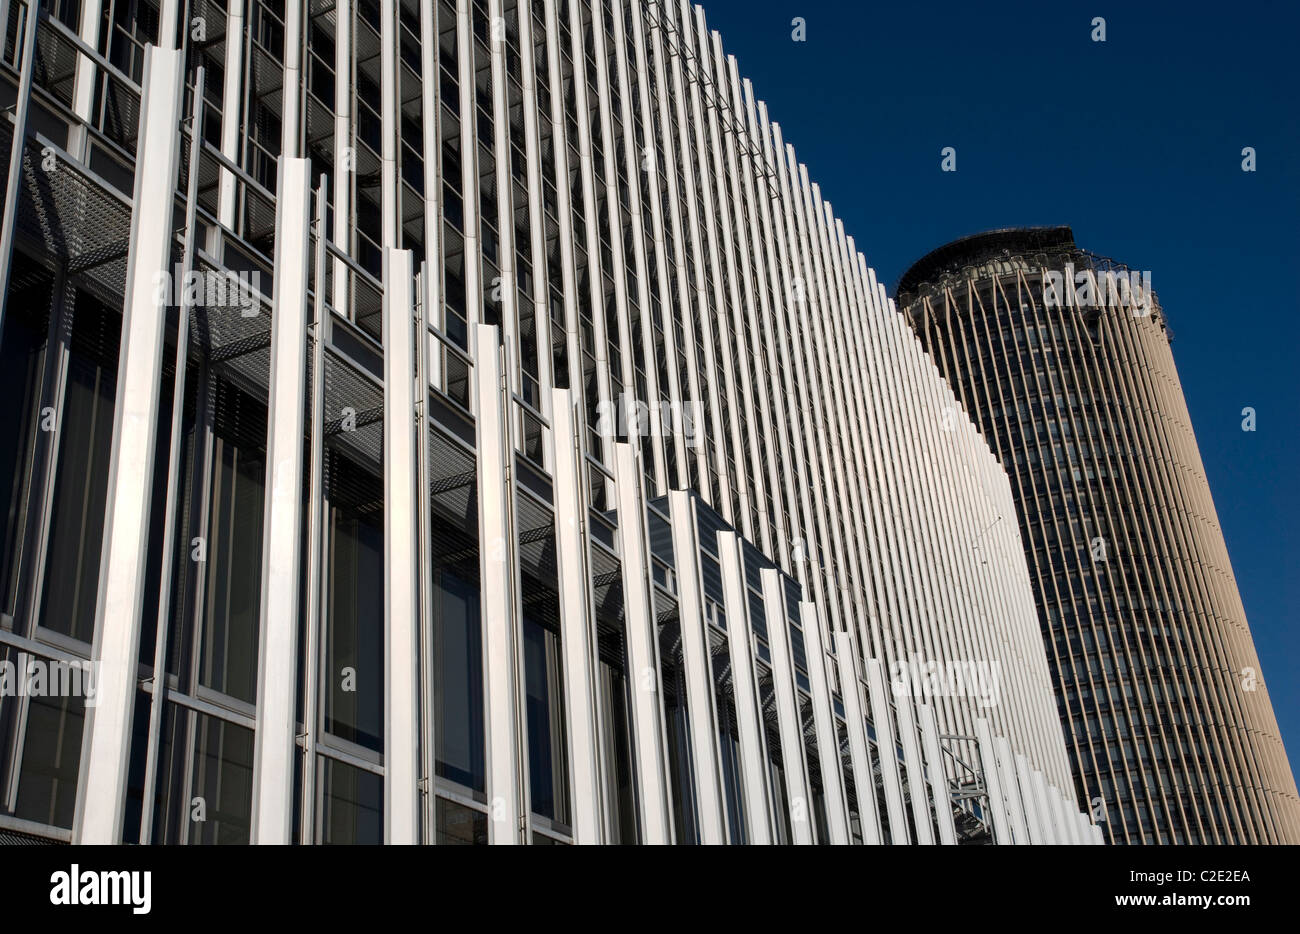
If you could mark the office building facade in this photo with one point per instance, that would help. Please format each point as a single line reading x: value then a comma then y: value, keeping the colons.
x: 1063, y: 359
x: 464, y: 422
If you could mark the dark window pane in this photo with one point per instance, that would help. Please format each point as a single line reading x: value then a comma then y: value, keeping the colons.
x: 22, y: 360
x: 546, y: 740
x: 354, y: 644
x: 460, y: 826
x: 618, y: 740
x: 84, y: 441
x: 223, y: 779
x: 47, y: 780
x: 677, y: 728
x: 728, y: 736
x: 232, y: 605
x: 459, y: 702
x: 352, y: 804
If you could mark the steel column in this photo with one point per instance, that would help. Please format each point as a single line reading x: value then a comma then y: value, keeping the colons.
x: 345, y: 156
x: 699, y: 675
x: 107, y: 738
x: 1058, y: 815
x: 1011, y: 789
x: 938, y: 777
x: 740, y: 643
x: 85, y: 73
x: 506, y: 767
x: 787, y: 702
x: 315, y: 528
x: 859, y: 748
x: 18, y: 144
x: 993, y: 782
x: 915, y: 772
x: 577, y: 638
x: 174, y: 476
x: 401, y: 562
x: 1043, y: 804
x: 828, y: 738
x: 1029, y: 798
x: 642, y: 650
x: 887, y: 749
x: 233, y: 95
x: 282, y: 532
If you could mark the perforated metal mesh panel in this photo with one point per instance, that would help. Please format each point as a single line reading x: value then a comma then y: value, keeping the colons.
x: 71, y: 217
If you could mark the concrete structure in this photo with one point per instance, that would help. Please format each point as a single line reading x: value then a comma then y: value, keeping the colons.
x: 1063, y: 359
x: 466, y: 422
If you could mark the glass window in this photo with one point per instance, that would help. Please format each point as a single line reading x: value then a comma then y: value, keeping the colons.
x: 232, y: 598
x: 618, y: 741
x: 547, y: 761
x: 775, y: 762
x: 677, y: 729
x: 815, y: 787
x: 458, y: 731
x: 22, y: 362
x: 205, y: 780
x: 352, y: 804
x: 84, y: 439
x: 460, y: 826
x: 47, y: 779
x: 223, y: 780
x: 728, y: 736
x: 354, y: 637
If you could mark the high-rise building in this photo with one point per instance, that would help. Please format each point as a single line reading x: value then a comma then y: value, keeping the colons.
x: 1063, y: 359
x: 465, y: 422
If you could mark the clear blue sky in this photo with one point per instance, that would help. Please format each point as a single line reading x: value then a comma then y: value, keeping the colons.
x: 1135, y: 143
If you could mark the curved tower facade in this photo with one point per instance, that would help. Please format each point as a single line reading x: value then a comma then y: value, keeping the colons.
x: 1063, y: 359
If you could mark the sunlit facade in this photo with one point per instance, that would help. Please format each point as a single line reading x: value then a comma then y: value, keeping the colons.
x: 1063, y: 358
x: 466, y: 423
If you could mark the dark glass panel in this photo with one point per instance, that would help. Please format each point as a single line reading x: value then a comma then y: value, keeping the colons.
x: 459, y: 686
x: 232, y: 599
x: 728, y: 737
x: 677, y: 728
x: 619, y: 779
x: 546, y: 736
x: 354, y: 640
x: 84, y: 441
x: 47, y: 778
x: 223, y: 779
x: 352, y: 804
x: 460, y: 826
x: 22, y: 363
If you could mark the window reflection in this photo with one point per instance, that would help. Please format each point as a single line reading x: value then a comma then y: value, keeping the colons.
x: 84, y: 432
x: 205, y: 779
x: 547, y: 759
x: 677, y: 729
x: 47, y: 780
x: 22, y: 367
x: 621, y: 805
x: 354, y: 635
x: 223, y: 779
x: 233, y: 593
x: 815, y: 787
x: 460, y: 825
x: 728, y: 736
x: 352, y: 804
x: 458, y: 730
